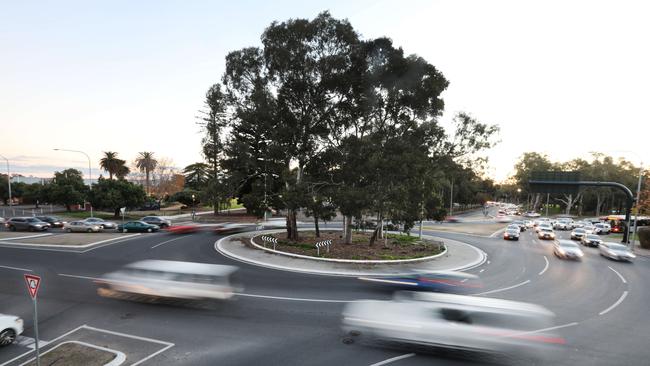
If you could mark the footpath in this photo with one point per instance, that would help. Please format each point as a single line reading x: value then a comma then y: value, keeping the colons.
x: 457, y: 257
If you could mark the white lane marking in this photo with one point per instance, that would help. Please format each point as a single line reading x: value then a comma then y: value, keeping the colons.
x: 481, y: 271
x: 545, y: 267
x: 166, y: 241
x: 52, y: 341
x: 292, y: 298
x: 391, y: 360
x: 17, y: 268
x: 494, y: 234
x: 617, y: 303
x: 118, y: 360
x: 81, y: 277
x: 30, y: 342
x: 543, y: 330
x: 488, y: 262
x: 503, y: 289
x: 167, y: 344
x: 464, y: 280
x: 27, y: 237
x: 619, y: 275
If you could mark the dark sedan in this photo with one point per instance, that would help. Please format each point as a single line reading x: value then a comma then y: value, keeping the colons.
x: 52, y: 220
x: 137, y: 226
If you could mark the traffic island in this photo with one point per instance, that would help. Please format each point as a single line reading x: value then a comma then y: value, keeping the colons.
x: 392, y: 247
x: 241, y: 247
x: 79, y: 354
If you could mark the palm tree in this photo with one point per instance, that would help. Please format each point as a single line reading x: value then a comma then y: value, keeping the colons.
x: 122, y: 170
x: 146, y: 163
x: 111, y: 163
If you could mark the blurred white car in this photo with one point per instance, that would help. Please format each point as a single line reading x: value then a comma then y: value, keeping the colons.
x: 616, y: 251
x: 452, y: 321
x: 10, y: 327
x: 567, y: 249
x: 170, y: 279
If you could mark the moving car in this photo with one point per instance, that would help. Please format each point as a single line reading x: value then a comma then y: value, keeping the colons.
x: 52, y: 220
x: 591, y: 240
x: 589, y: 229
x: 439, y: 281
x: 546, y: 233
x: 567, y: 249
x: 10, y: 327
x: 137, y: 226
x: 101, y: 222
x: 529, y: 224
x: 26, y: 223
x: 616, y: 251
x: 453, y: 321
x: 158, y: 221
x: 170, y: 279
x: 232, y: 228
x: 511, y: 233
x: 532, y: 214
x: 602, y: 229
x: 521, y: 224
x: 578, y: 233
x: 562, y: 224
x: 82, y: 226
x: 182, y: 229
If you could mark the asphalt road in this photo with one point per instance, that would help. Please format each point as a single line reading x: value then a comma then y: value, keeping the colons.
x: 600, y: 328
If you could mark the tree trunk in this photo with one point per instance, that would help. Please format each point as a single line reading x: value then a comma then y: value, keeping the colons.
x: 348, y: 229
x: 316, y: 226
x: 599, y: 203
x: 146, y: 172
x: 116, y: 213
x: 67, y: 208
x: 292, y: 229
x: 375, y: 234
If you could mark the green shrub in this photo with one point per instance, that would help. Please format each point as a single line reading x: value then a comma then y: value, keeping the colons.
x: 644, y: 237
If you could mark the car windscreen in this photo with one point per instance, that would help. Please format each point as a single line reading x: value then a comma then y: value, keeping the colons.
x: 616, y: 246
x: 568, y: 244
x: 593, y: 237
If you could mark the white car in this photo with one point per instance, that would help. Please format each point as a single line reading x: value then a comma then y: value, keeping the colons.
x: 546, y: 233
x: 602, y: 229
x: 511, y: 233
x: 567, y: 249
x: 616, y: 251
x: 82, y: 227
x: 10, y: 327
x: 452, y: 321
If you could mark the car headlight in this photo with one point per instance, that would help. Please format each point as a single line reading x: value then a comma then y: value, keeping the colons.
x: 561, y: 251
x: 19, y: 321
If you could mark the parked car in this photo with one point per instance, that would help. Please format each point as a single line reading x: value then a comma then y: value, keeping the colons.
x: 82, y: 227
x: 26, y: 223
x: 452, y: 321
x: 10, y: 327
x: 567, y: 249
x: 546, y: 233
x: 511, y: 233
x: 150, y: 206
x: 591, y: 240
x: 616, y: 251
x: 52, y: 220
x: 578, y: 233
x: 137, y: 226
x: 602, y: 229
x: 158, y: 221
x: 101, y: 222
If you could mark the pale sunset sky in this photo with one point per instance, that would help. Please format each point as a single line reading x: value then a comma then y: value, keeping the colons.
x: 559, y: 77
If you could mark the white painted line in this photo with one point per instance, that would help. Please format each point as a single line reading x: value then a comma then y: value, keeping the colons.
x: 494, y: 234
x: 464, y: 280
x: 481, y: 271
x: 68, y: 248
x: 81, y: 277
x: 167, y: 241
x: 543, y: 330
x: 52, y: 341
x: 617, y: 303
x: 30, y: 342
x: 153, y: 355
x: 545, y: 267
x: 503, y: 289
x: 127, y: 335
x: 291, y: 298
x: 27, y: 237
x: 17, y: 268
x: 391, y: 360
x: 619, y: 275
x: 488, y: 262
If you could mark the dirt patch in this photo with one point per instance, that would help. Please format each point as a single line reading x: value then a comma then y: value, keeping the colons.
x: 75, y: 354
x: 71, y: 238
x: 394, y: 248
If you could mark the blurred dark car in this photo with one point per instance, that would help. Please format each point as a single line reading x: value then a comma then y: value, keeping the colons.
x: 232, y: 228
x: 52, y: 220
x: 442, y: 281
x: 137, y: 226
x: 150, y: 206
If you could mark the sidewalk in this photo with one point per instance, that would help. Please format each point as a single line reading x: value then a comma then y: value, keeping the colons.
x: 459, y: 256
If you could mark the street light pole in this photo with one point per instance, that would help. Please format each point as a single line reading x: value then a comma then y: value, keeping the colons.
x: 638, y: 196
x: 8, y: 178
x: 90, y: 177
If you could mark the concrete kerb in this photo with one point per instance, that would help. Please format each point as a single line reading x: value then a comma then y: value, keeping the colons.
x: 335, y: 260
x: 218, y: 246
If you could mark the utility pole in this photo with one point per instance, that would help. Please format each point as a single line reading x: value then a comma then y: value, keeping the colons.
x: 638, y: 196
x: 8, y: 179
x: 451, y: 197
x: 547, y: 198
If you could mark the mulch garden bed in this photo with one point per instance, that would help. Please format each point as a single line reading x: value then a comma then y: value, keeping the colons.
x: 394, y: 248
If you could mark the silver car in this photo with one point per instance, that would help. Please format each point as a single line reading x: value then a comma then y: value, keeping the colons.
x: 452, y: 321
x: 101, y: 222
x: 616, y: 251
x: 82, y: 227
x: 591, y: 240
x: 567, y: 249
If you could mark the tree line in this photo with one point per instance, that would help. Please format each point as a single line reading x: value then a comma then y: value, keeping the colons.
x: 320, y: 120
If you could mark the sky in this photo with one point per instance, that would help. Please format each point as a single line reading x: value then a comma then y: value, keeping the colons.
x: 562, y: 78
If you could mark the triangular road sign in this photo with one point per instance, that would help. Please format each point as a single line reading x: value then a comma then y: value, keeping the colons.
x: 33, y: 282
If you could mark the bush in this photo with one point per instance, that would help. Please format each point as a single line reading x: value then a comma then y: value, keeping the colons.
x: 644, y: 237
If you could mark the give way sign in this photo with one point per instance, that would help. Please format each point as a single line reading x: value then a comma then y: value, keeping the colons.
x: 33, y: 282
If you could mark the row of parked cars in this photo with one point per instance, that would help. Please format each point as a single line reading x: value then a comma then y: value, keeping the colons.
x: 585, y: 232
x: 89, y: 225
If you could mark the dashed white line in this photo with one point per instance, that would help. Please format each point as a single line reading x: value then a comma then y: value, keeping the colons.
x: 504, y: 289
x: 166, y: 241
x: 81, y: 277
x: 290, y: 298
x: 617, y: 303
x: 481, y: 271
x: 619, y: 275
x: 17, y: 268
x: 391, y: 360
x: 545, y: 267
